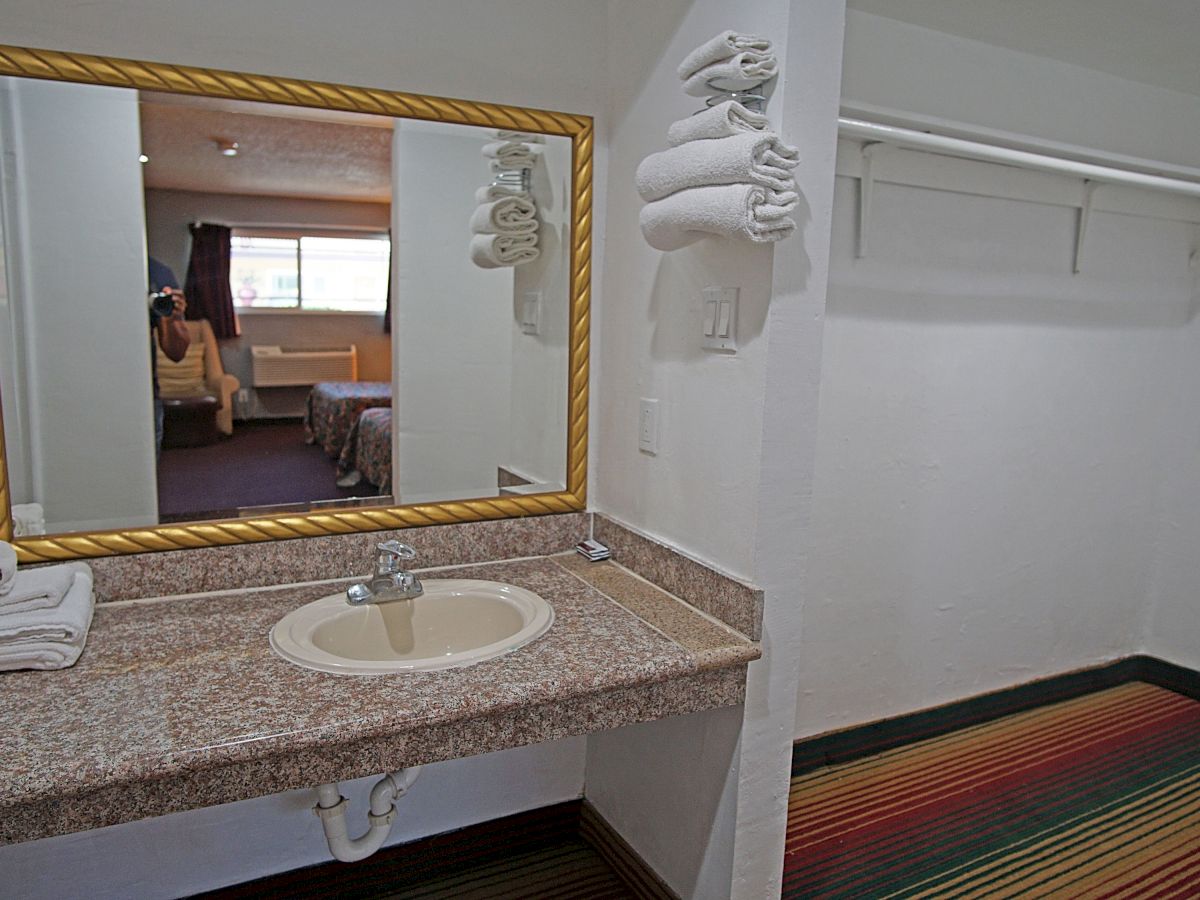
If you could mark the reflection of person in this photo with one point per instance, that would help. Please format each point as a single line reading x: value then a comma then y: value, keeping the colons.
x: 169, y: 330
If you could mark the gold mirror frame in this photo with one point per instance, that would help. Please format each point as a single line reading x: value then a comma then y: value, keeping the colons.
x: 58, y: 66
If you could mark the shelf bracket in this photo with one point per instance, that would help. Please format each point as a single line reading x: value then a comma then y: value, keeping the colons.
x: 1085, y: 213
x: 866, y: 192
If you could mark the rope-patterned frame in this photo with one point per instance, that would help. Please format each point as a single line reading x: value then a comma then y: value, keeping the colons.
x: 59, y: 66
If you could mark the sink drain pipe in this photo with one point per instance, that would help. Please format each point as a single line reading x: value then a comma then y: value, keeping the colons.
x: 331, y: 808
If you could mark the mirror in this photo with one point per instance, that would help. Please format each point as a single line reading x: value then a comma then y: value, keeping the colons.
x: 304, y: 228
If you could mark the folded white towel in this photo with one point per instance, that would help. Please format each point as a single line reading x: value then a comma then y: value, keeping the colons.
x: 738, y: 73
x: 723, y: 120
x: 39, y: 655
x: 754, y: 158
x: 524, y: 137
x: 49, y: 639
x: 28, y: 519
x: 499, y: 192
x: 510, y: 155
x: 8, y: 567
x: 509, y: 215
x: 729, y: 210
x: 492, y: 251
x: 68, y: 621
x: 39, y: 589
x: 722, y: 47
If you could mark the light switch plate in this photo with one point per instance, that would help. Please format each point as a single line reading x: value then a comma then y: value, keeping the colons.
x: 531, y: 312
x: 720, y: 319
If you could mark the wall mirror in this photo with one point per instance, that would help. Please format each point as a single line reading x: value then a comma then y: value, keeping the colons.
x: 377, y: 336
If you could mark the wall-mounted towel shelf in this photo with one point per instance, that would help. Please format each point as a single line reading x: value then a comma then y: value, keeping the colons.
x: 878, y: 137
x: 516, y: 179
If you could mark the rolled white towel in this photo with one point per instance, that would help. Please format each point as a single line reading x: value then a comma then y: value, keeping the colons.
x: 28, y: 519
x: 510, y: 155
x: 499, y: 192
x: 722, y: 47
x: 493, y: 251
x: 738, y: 73
x: 524, y: 137
x: 41, y: 588
x: 729, y: 210
x: 723, y: 120
x: 49, y: 639
x: 752, y: 158
x: 509, y: 215
x: 8, y: 567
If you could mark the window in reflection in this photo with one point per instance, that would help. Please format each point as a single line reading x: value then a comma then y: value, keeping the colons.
x: 309, y: 272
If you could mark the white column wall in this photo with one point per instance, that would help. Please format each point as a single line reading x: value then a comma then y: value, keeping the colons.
x: 703, y: 799
x: 451, y: 345
x: 80, y: 285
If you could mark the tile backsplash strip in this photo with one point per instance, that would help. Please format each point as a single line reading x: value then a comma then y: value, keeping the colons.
x: 737, y: 604
x: 339, y: 556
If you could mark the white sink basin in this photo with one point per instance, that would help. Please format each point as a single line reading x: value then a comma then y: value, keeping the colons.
x: 456, y: 622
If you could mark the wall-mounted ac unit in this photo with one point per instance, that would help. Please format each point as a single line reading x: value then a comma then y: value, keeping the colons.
x: 282, y: 367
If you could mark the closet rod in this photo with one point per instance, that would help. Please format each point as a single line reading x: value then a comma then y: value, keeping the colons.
x: 920, y: 140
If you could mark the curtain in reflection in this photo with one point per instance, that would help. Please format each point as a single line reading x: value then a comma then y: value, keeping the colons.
x: 207, y: 286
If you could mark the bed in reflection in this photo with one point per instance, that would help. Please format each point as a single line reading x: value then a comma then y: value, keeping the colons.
x: 334, y: 407
x: 368, y: 450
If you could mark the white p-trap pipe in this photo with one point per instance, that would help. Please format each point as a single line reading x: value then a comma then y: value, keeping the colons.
x: 331, y: 808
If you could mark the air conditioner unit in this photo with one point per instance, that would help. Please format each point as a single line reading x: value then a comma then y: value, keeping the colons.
x: 283, y: 367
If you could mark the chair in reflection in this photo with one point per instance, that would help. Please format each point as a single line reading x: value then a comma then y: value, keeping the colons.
x: 197, y: 393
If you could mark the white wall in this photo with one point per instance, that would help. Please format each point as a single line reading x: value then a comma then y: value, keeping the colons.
x: 456, y: 48
x: 452, y: 351
x: 81, y: 288
x: 538, y: 412
x: 732, y: 475
x: 905, y: 67
x: 995, y: 432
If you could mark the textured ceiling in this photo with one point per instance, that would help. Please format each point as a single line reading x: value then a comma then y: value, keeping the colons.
x: 294, y: 155
x: 1150, y: 41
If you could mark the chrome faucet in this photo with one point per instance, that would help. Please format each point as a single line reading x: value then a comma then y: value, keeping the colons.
x: 390, y: 581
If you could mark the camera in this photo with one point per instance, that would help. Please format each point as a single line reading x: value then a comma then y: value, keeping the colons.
x: 162, y: 304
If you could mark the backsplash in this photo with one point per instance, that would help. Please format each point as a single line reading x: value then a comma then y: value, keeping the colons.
x: 338, y: 556
x: 737, y: 604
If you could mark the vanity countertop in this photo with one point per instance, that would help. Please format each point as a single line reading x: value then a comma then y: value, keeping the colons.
x: 180, y: 703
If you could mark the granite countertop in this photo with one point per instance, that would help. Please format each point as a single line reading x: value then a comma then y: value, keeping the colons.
x: 180, y: 703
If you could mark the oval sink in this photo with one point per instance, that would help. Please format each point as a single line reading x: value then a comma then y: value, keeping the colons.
x: 456, y: 622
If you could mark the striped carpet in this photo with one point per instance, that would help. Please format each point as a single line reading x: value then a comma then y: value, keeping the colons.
x: 1096, y: 797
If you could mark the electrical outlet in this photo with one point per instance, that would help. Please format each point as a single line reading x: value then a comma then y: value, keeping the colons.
x: 648, y: 426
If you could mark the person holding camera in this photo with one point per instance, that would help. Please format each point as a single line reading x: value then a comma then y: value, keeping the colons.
x: 167, y: 326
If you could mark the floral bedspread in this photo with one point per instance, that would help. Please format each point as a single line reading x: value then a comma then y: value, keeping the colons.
x: 368, y: 448
x: 334, y: 407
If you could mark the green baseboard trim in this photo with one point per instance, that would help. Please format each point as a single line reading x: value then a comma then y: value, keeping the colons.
x: 876, y: 737
x: 1171, y: 676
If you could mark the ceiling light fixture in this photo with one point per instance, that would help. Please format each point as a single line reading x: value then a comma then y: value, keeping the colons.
x: 143, y: 158
x: 227, y: 148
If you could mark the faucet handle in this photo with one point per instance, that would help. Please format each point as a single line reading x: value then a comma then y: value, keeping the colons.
x: 389, y: 555
x: 396, y: 550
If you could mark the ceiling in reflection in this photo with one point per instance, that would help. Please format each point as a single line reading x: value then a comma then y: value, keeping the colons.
x: 313, y: 157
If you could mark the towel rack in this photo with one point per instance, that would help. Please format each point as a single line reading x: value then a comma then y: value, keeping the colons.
x: 518, y: 179
x: 751, y: 97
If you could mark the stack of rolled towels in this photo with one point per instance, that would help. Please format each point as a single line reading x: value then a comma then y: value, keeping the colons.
x: 726, y: 173
x: 45, y: 613
x: 504, y: 226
